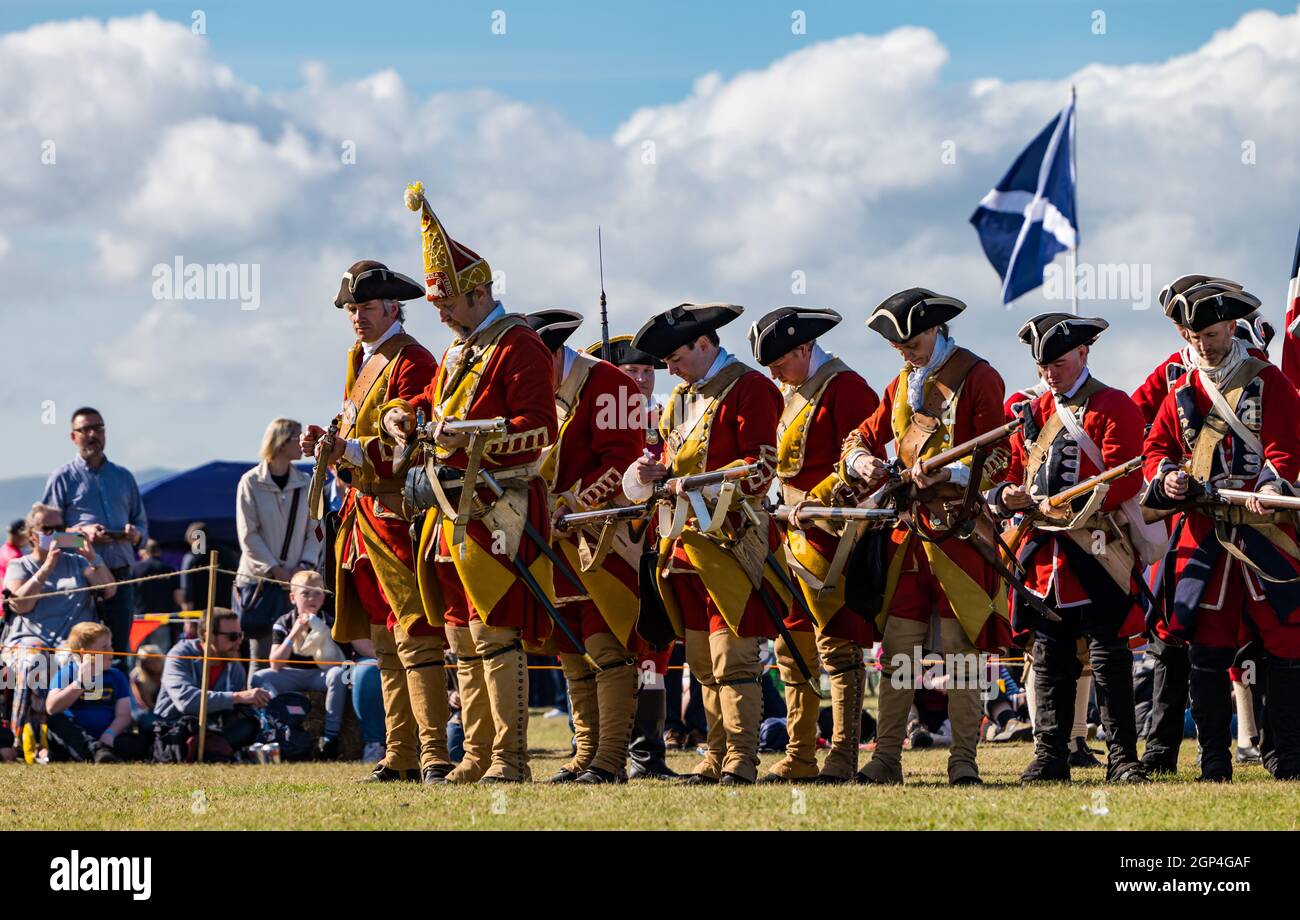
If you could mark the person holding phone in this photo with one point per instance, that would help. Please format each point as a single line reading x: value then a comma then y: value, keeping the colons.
x: 101, y: 500
x: 59, y: 561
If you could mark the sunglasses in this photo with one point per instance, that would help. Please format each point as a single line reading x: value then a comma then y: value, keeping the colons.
x: 47, y: 529
x: 231, y: 635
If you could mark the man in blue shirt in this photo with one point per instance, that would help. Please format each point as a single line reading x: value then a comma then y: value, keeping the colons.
x: 101, y: 499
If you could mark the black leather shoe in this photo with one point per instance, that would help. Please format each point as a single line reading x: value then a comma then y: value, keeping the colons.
x: 731, y: 779
x: 564, y: 776
x: 824, y: 780
x: 595, y: 776
x: 1083, y: 756
x: 383, y: 774
x: 654, y: 769
x: 1046, y: 771
x: 1130, y: 773
x: 966, y: 781
x: 436, y: 774
x: 771, y: 778
x: 697, y: 779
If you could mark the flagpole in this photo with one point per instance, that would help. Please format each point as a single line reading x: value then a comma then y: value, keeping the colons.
x: 1074, y: 261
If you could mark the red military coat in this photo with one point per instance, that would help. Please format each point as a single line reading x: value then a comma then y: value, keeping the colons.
x: 743, y: 431
x: 1209, y: 588
x: 845, y: 402
x: 1156, y: 387
x: 600, y: 438
x: 515, y: 384
x: 979, y: 408
x: 1114, y: 423
x: 371, y: 523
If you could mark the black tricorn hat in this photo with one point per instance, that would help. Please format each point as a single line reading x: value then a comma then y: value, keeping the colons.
x: 666, y: 332
x: 786, y: 328
x: 554, y: 326
x: 1183, y: 283
x: 907, y: 314
x: 1050, y: 335
x: 1209, y: 303
x: 621, y: 352
x: 370, y: 280
x: 1256, y: 331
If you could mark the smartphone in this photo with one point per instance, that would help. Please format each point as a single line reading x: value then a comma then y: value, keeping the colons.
x: 63, y: 540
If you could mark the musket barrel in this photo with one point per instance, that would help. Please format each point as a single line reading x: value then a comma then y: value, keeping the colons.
x: 1065, y: 496
x: 619, y: 513
x: 1268, y: 499
x: 831, y: 513
x: 960, y: 451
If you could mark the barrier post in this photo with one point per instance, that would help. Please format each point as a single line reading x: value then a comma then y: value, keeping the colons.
x: 207, y: 644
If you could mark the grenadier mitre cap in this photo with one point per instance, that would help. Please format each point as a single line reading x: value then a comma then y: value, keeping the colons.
x: 554, y: 326
x: 1208, y: 303
x: 370, y: 280
x: 786, y: 328
x: 621, y: 352
x: 666, y: 332
x: 907, y: 314
x: 1050, y: 335
x: 1183, y: 283
x: 450, y: 269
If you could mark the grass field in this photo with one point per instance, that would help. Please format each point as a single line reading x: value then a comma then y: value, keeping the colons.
x: 325, y: 796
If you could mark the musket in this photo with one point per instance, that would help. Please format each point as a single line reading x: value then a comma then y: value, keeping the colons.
x: 894, y: 489
x: 604, y: 313
x: 661, y: 493
x: 426, y: 433
x: 316, y: 492
x: 1063, y: 498
x: 835, y: 513
x: 1270, y: 500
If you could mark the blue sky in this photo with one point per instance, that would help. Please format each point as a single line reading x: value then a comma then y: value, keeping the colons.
x: 598, y: 61
x: 821, y: 156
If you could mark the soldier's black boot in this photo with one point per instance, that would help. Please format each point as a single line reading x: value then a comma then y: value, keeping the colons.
x: 646, y: 749
x: 1281, y: 725
x: 1112, y: 674
x: 1056, y: 671
x: 1210, y: 690
x: 1169, y: 680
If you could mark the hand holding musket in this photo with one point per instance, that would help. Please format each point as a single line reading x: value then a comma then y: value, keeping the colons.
x: 664, y: 491
x: 1254, y: 502
x: 447, y: 434
x: 901, y: 484
x: 1050, y: 508
x: 324, y: 456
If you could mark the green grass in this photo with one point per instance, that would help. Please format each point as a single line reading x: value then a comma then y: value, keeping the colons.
x: 325, y: 796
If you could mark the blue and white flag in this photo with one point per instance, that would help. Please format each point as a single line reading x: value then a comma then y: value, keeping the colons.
x: 1030, y: 215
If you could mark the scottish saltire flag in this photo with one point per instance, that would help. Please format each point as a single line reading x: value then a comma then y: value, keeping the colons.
x: 1291, y: 338
x: 1030, y: 215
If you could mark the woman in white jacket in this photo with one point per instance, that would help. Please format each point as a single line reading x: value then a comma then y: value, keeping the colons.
x: 277, y: 537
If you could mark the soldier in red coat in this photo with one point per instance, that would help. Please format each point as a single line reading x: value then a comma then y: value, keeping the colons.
x: 647, y: 747
x: 1081, y: 755
x: 943, y: 396
x: 600, y: 435
x: 1079, y: 559
x: 1172, y: 670
x: 480, y: 574
x: 1231, y: 574
x: 824, y: 401
x: 377, y: 598
x: 716, y: 582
